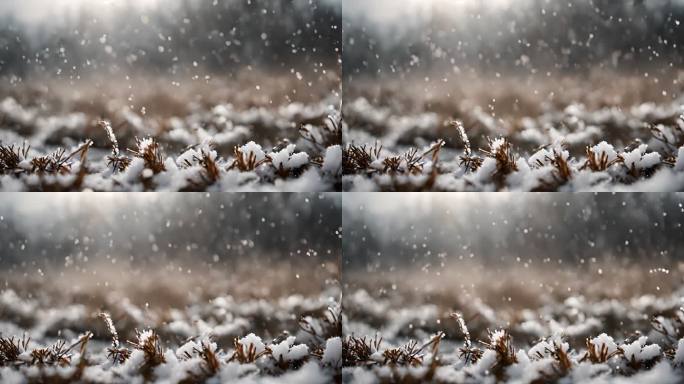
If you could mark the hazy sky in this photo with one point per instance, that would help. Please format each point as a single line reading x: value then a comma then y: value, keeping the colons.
x: 39, y: 11
x: 388, y: 11
x: 376, y: 10
x: 503, y: 226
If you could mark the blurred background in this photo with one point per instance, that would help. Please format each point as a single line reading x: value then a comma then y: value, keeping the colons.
x: 64, y: 64
x: 526, y: 36
x: 535, y: 264
x: 501, y: 229
x: 502, y: 246
x: 206, y: 243
x: 504, y: 66
x: 182, y: 264
x: 72, y: 38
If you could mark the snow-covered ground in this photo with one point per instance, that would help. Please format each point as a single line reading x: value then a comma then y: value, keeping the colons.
x: 407, y: 139
x: 226, y: 147
x: 607, y: 326
x: 49, y: 333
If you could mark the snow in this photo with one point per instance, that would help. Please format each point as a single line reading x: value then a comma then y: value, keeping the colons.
x: 193, y: 156
x: 309, y: 373
x: 188, y: 349
x: 332, y: 162
x: 679, y: 354
x: 145, y: 336
x: 333, y: 352
x: 287, y: 159
x: 298, y: 352
x: 604, y: 149
x: 679, y: 165
x: 649, y: 160
x: 182, y: 142
x: 14, y: 111
x: 627, y: 159
x: 639, y: 159
x: 497, y: 144
x: 661, y: 373
x: 253, y: 149
x: 536, y: 363
x: 633, y: 158
x: 145, y: 144
x: 298, y: 160
x: 544, y: 156
x: 554, y: 316
x: 253, y: 341
x: 545, y: 348
x: 112, y: 138
x: 604, y: 342
x: 202, y: 323
x: 287, y: 351
x: 639, y: 351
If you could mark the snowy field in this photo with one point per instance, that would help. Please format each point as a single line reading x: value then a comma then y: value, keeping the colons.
x: 513, y: 95
x: 170, y: 96
x: 168, y: 326
x: 602, y: 324
x: 574, y: 133
x: 85, y: 140
x: 513, y: 288
x: 169, y: 288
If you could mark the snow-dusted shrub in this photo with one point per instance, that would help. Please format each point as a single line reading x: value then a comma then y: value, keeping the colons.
x: 564, y: 148
x: 638, y: 353
x: 286, y: 160
x: 220, y: 148
x: 332, y: 355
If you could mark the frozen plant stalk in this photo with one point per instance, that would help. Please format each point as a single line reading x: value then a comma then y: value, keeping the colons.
x: 112, y: 138
x: 110, y: 327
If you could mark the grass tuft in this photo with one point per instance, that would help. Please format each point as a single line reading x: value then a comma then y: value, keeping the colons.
x: 11, y: 156
x: 245, y: 162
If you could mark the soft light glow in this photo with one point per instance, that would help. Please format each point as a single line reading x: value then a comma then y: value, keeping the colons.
x: 390, y: 11
x: 40, y: 11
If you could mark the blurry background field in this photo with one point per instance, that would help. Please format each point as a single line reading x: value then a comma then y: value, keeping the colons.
x: 512, y: 59
x: 188, y: 265
x: 533, y: 264
x: 179, y: 70
x: 87, y: 52
x: 535, y: 72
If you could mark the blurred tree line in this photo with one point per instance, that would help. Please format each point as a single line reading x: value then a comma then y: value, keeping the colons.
x: 174, y: 227
x: 221, y: 36
x: 571, y: 228
x: 521, y: 36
